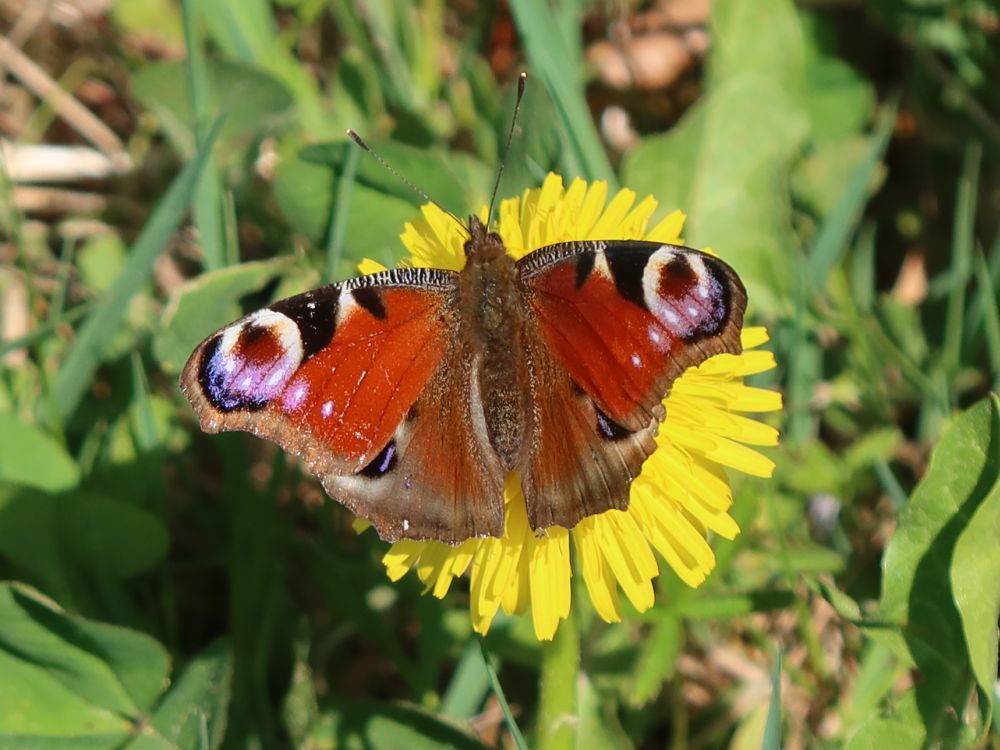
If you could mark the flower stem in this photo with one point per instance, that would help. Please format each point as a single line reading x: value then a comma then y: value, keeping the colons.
x: 557, y: 714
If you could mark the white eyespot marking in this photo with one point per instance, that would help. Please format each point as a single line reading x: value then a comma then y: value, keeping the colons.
x: 668, y: 289
x: 660, y: 341
x: 346, y: 305
x: 327, y: 409
x: 636, y: 360
x: 296, y: 395
x: 601, y: 267
x: 277, y: 376
x: 311, y: 305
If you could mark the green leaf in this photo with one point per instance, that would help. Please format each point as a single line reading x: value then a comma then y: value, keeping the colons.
x: 657, y: 659
x: 248, y: 31
x: 304, y: 192
x: 599, y: 728
x: 839, y: 99
x: 432, y: 172
x: 362, y: 725
x: 198, y: 699
x: 31, y: 458
x: 550, y: 34
x: 69, y: 681
x: 209, y: 301
x: 758, y: 38
x: 832, y: 239
x: 110, y: 536
x: 931, y: 579
x: 54, y: 536
x: 253, y: 100
x: 900, y: 731
x: 975, y: 573
x: 95, y: 334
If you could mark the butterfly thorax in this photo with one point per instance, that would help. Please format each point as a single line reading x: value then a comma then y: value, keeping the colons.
x: 494, y: 315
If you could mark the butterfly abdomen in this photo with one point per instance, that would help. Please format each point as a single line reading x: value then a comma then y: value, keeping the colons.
x: 494, y: 316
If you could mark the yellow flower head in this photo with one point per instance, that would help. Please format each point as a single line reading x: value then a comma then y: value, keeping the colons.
x: 682, y: 492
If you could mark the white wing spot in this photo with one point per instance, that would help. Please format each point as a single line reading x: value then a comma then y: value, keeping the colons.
x: 692, y: 311
x: 406, y: 524
x: 636, y: 360
x: 327, y: 408
x: 311, y: 305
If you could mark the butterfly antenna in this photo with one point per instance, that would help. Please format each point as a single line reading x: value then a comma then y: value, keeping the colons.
x: 521, y: 79
x: 378, y: 157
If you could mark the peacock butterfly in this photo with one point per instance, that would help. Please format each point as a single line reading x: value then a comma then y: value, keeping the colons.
x: 412, y: 392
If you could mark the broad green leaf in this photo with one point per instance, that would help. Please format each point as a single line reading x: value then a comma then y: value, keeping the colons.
x: 66, y: 681
x: 599, y: 728
x: 900, y: 731
x: 205, y: 303
x: 78, y: 367
x: 247, y: 31
x: 431, y: 172
x: 657, y: 659
x: 304, y: 193
x: 199, y: 697
x: 253, y: 100
x: 975, y: 569
x: 31, y: 458
x: 726, y: 164
x: 839, y: 99
x: 758, y: 38
x: 930, y: 581
x: 54, y: 536
x: 361, y: 725
x: 114, y: 538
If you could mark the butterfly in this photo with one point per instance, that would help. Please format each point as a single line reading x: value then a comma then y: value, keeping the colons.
x: 411, y: 393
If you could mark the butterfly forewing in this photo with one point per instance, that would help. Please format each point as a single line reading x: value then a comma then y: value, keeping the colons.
x: 339, y: 376
x: 617, y: 322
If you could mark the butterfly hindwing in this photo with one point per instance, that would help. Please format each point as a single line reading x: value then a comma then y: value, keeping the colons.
x: 617, y: 322
x: 349, y: 377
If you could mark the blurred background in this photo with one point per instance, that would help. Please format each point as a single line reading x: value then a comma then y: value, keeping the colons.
x: 179, y: 590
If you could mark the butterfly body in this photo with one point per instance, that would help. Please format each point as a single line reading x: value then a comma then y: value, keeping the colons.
x: 412, y: 393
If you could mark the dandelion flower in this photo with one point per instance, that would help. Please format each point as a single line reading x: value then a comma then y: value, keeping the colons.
x: 682, y: 493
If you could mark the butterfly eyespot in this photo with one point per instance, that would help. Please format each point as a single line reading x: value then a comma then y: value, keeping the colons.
x: 608, y: 428
x: 383, y: 463
x: 687, y: 292
x: 248, y: 365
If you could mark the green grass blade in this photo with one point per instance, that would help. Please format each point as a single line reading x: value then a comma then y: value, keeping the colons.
x: 208, y: 200
x: 508, y: 717
x: 552, y: 56
x: 991, y: 317
x: 831, y: 240
x: 84, y: 354
x: 465, y: 693
x: 961, y: 256
x: 772, y: 729
x: 338, y: 219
